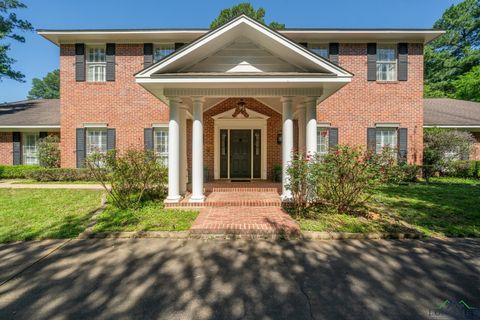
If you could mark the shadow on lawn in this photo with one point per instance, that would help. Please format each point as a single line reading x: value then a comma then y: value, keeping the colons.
x: 446, y: 207
x: 167, y: 279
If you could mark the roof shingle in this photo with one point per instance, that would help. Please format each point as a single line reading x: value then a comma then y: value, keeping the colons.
x: 44, y: 112
x: 452, y: 112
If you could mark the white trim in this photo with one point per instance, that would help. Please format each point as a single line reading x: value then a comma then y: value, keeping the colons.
x: 159, y: 125
x: 323, y: 124
x: 95, y: 125
x: 453, y: 126
x: 257, y: 79
x: 387, y: 125
x: 241, y: 123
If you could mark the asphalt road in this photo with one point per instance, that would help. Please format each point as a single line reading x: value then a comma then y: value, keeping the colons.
x: 195, y: 279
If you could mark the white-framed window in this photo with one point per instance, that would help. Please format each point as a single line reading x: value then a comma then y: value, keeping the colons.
x: 162, y: 50
x: 96, y: 64
x: 386, y: 62
x: 30, y: 147
x: 319, y: 48
x: 96, y: 140
x: 386, y: 138
x: 160, y: 144
x: 322, y: 140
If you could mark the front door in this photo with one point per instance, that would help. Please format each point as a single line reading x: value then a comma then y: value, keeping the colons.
x: 240, y: 154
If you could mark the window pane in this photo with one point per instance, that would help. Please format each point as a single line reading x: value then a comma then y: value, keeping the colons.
x: 95, y: 64
x: 322, y: 140
x: 386, y: 138
x: 30, y: 148
x: 386, y: 63
x: 161, y: 145
x: 96, y: 141
x: 319, y: 48
x: 163, y: 50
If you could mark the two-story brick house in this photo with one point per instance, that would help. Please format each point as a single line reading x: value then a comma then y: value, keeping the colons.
x: 238, y: 100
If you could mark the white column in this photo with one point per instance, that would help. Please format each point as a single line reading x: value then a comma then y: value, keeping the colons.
x: 173, y: 152
x: 183, y: 148
x: 301, y: 127
x: 311, y: 125
x: 287, y: 142
x: 197, y: 150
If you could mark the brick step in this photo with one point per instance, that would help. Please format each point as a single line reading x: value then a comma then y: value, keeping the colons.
x: 222, y: 189
x: 232, y: 199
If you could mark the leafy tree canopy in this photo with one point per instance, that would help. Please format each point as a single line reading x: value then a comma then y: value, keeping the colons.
x: 455, y: 54
x: 10, y: 25
x: 46, y: 88
x: 247, y: 9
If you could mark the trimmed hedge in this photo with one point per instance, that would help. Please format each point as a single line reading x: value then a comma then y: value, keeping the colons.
x: 60, y: 174
x: 17, y: 171
x: 465, y: 169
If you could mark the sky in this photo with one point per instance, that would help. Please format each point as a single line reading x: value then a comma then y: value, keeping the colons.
x: 37, y: 56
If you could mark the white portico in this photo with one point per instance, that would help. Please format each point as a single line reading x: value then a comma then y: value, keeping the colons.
x: 241, y: 59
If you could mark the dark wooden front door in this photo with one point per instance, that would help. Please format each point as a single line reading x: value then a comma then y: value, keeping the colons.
x: 240, y: 154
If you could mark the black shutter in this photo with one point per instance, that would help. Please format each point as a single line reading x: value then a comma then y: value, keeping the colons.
x: 17, y: 148
x: 147, y: 54
x: 80, y: 62
x: 257, y: 157
x: 305, y: 44
x: 403, y: 61
x: 80, y: 148
x: 148, y: 138
x: 332, y: 137
x: 371, y: 61
x: 223, y: 153
x: 371, y: 139
x: 110, y: 59
x: 402, y: 145
x: 111, y: 139
x: 43, y: 135
x: 178, y: 45
x: 333, y: 52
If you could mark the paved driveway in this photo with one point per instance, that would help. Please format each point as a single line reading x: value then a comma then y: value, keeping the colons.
x: 194, y: 279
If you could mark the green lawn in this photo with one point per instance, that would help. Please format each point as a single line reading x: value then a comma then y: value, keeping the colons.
x: 27, y: 214
x: 152, y: 216
x: 445, y: 207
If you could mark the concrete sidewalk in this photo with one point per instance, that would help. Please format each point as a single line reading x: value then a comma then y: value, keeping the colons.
x: 14, y: 184
x: 190, y: 279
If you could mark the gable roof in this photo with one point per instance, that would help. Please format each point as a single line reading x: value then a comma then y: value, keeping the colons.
x: 243, y: 27
x: 30, y: 113
x: 451, y: 113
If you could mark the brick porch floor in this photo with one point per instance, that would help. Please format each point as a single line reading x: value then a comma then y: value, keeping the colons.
x: 243, y: 208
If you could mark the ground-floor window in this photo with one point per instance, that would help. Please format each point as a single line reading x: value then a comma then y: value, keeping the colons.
x: 96, y: 141
x: 322, y: 140
x: 30, y: 147
x: 386, y: 138
x: 160, y: 144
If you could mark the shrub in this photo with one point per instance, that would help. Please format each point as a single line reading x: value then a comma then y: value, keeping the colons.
x: 464, y: 169
x: 60, y: 174
x: 443, y: 147
x: 17, y: 171
x: 134, y: 176
x: 49, y: 151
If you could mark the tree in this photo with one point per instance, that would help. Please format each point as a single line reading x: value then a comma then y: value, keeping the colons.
x: 9, y: 26
x: 46, y: 88
x: 467, y: 86
x: 247, y: 9
x: 454, y: 53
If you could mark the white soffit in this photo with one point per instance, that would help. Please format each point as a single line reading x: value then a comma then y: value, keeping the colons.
x: 243, y: 27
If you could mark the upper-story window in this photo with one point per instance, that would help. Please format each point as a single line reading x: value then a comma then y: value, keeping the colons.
x: 386, y: 62
x: 162, y: 50
x: 319, y: 48
x: 96, y: 64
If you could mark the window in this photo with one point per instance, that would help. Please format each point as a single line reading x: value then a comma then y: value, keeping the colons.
x: 319, y: 48
x: 386, y: 138
x: 30, y: 148
x: 162, y: 50
x: 160, y: 144
x: 386, y: 63
x: 96, y: 141
x: 96, y: 64
x: 322, y: 141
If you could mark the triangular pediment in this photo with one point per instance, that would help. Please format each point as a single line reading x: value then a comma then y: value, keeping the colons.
x: 243, y: 46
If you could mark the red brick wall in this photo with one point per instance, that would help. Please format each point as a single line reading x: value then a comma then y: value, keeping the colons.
x: 274, y: 126
x: 6, y: 148
x: 361, y: 103
x: 122, y: 103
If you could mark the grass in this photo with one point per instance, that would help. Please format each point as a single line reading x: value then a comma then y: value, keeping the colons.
x: 151, y: 217
x: 27, y: 214
x: 444, y: 207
